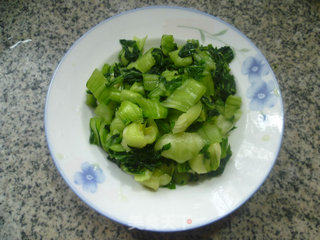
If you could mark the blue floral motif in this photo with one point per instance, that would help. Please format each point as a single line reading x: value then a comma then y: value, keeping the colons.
x: 261, y: 95
x: 255, y: 68
x: 89, y: 177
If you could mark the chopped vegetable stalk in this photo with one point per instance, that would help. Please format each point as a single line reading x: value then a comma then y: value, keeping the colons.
x: 207, y: 81
x: 197, y: 164
x: 151, y: 108
x: 122, y: 58
x: 216, y: 129
x: 105, y: 69
x: 128, y: 95
x: 95, y: 124
x: 237, y: 115
x: 140, y: 177
x: 167, y: 44
x: 138, y: 88
x: 169, y: 75
x: 150, y: 81
x: 105, y: 111
x: 157, y: 179
x: 187, y: 118
x: 144, y: 63
x: 138, y: 135
x: 117, y: 126
x: 129, y: 112
x: 215, y: 154
x: 104, y: 137
x: 203, y: 116
x: 210, y: 132
x: 184, y: 146
x: 185, y: 96
x: 205, y: 57
x: 114, y: 95
x: 179, y: 61
x: 140, y: 42
x: 224, y: 125
x: 207, y: 161
x: 97, y: 85
x: 156, y: 93
x: 117, y: 148
x: 233, y: 104
x: 91, y: 101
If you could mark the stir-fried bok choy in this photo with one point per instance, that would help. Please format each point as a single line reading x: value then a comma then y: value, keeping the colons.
x: 164, y: 115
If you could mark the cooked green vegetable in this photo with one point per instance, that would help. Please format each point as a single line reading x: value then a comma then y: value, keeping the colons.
x: 184, y: 146
x: 180, y: 61
x: 91, y: 101
x: 138, y: 135
x: 129, y: 112
x: 116, y: 126
x: 105, y: 111
x: 187, y: 118
x: 144, y: 63
x: 167, y: 44
x: 185, y: 96
x: 164, y: 116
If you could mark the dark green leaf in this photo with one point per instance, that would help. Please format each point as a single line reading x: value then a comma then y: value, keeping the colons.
x: 116, y: 69
x: 227, y: 53
x: 188, y: 49
x: 183, y: 167
x: 173, y: 84
x: 205, y: 151
x: 195, y: 71
x: 114, y: 139
x: 166, y: 147
x: 163, y: 126
x: 171, y: 185
x: 137, y: 160
x: 131, y: 50
x: 223, y: 79
x: 162, y: 62
x: 131, y: 75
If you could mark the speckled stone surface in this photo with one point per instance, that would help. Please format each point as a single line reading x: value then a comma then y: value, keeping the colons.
x: 35, y: 202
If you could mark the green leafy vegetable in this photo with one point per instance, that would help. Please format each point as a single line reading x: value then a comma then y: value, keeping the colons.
x: 164, y: 116
x: 185, y: 96
x: 105, y: 111
x: 129, y: 112
x: 143, y: 63
x: 223, y: 79
x: 179, y: 61
x: 138, y: 135
x: 189, y: 49
x: 131, y: 50
x: 184, y: 146
x: 91, y: 101
x: 168, y: 44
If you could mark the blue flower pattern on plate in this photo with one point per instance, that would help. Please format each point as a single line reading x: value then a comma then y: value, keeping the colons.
x: 255, y: 68
x: 89, y: 177
x: 261, y: 95
x: 260, y: 92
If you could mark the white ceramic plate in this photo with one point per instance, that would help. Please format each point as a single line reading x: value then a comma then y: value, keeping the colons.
x: 113, y: 193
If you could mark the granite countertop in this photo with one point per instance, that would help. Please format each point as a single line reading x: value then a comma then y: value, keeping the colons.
x: 35, y: 202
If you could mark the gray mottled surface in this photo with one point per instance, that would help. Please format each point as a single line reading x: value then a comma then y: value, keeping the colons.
x: 35, y: 203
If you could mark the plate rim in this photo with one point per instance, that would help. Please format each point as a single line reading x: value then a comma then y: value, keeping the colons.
x: 113, y: 218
